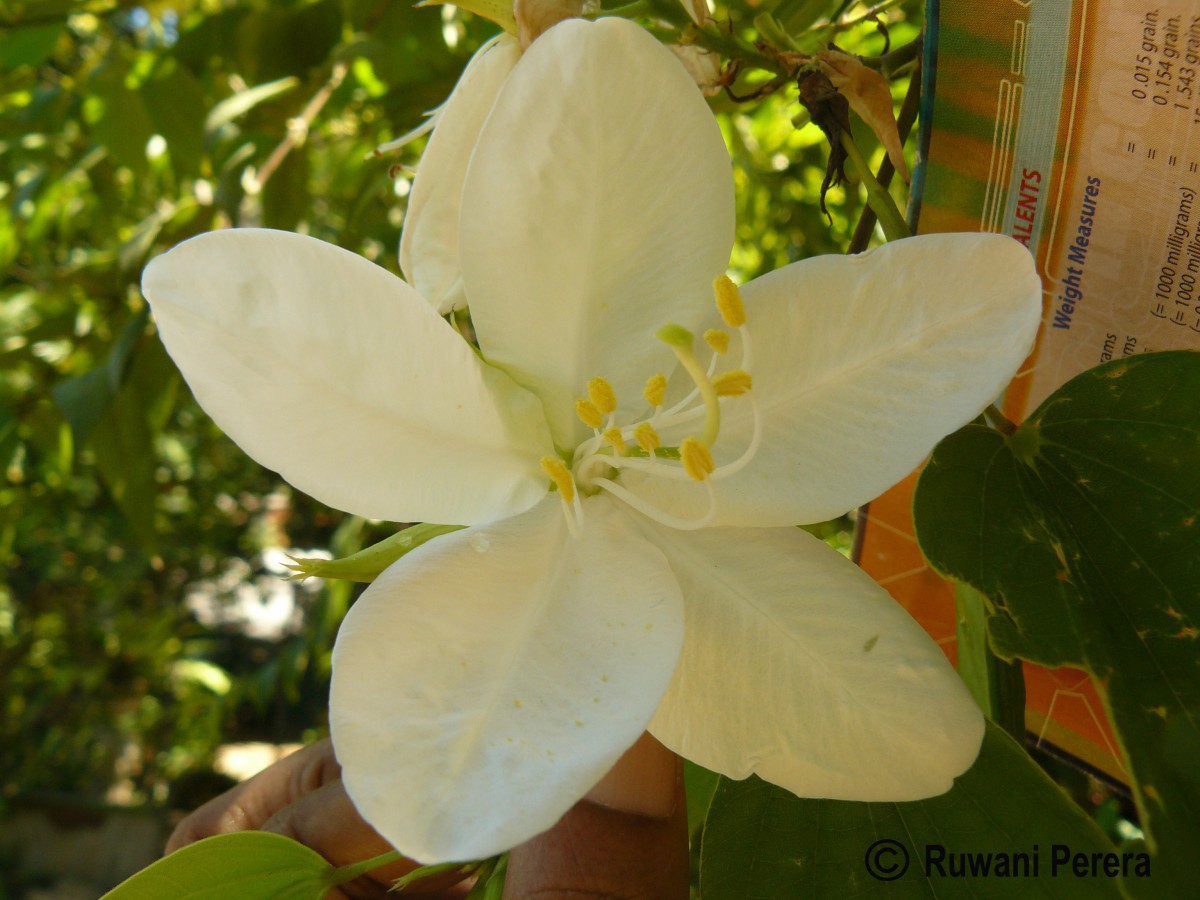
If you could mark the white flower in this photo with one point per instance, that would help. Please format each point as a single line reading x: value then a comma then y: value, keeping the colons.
x: 488, y: 679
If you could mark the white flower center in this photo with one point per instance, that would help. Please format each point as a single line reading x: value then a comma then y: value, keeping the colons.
x: 596, y: 463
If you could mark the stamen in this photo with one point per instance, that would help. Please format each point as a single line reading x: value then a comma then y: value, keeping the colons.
x: 635, y: 502
x: 729, y: 301
x: 747, y: 358
x: 696, y: 458
x: 588, y: 414
x: 613, y: 436
x: 556, y: 470
x: 647, y: 438
x: 602, y: 396
x: 650, y: 467
x: 733, y: 383
x: 717, y: 339
x: 752, y: 448
x: 656, y: 389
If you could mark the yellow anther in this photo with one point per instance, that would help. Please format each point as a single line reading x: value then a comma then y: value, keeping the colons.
x: 729, y: 301
x: 558, y: 472
x: 588, y: 414
x: 656, y: 389
x: 733, y: 383
x: 613, y: 436
x: 647, y: 437
x: 602, y: 395
x: 717, y: 339
x: 696, y: 458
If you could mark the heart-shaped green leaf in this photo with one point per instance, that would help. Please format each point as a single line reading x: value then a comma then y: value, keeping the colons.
x: 762, y: 843
x: 1083, y: 530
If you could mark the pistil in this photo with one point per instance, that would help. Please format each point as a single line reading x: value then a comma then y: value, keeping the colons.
x: 680, y: 340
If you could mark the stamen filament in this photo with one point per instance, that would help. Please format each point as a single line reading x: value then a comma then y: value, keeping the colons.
x: 747, y: 357
x: 752, y: 448
x: 677, y: 522
x: 639, y: 464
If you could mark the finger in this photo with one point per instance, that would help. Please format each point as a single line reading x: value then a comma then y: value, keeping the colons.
x: 326, y: 821
x: 627, y: 839
x: 248, y: 805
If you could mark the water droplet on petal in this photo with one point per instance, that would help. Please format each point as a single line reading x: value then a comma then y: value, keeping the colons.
x: 479, y: 542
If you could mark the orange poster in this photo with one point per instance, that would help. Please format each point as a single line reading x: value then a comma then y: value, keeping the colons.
x: 1073, y: 126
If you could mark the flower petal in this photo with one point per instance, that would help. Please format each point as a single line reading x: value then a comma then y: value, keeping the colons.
x: 334, y: 373
x: 486, y: 681
x: 598, y: 207
x: 797, y: 667
x: 429, y: 242
x: 861, y: 364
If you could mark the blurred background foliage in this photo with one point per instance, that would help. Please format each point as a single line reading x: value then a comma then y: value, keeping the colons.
x: 142, y: 617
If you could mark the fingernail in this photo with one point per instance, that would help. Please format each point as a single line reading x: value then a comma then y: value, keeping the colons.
x: 644, y: 782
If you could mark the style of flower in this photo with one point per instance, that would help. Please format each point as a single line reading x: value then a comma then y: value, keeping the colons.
x: 630, y: 462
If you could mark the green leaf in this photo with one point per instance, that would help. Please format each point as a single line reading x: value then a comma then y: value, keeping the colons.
x: 1083, y: 530
x: 493, y: 10
x: 84, y: 398
x: 367, y: 565
x: 176, y: 103
x: 28, y: 46
x: 700, y: 784
x: 123, y: 439
x: 124, y: 125
x: 286, y: 198
x: 249, y: 865
x: 761, y: 842
x: 242, y: 102
x: 272, y: 42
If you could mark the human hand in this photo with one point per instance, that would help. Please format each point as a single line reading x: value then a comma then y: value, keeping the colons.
x: 627, y: 838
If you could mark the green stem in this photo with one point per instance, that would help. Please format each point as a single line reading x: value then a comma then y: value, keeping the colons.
x: 999, y: 420
x: 635, y: 10
x: 773, y: 32
x: 997, y: 686
x: 889, y: 63
x: 342, y: 874
x: 868, y: 15
x: 877, y: 196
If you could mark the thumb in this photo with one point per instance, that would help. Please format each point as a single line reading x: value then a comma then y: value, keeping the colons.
x: 628, y: 838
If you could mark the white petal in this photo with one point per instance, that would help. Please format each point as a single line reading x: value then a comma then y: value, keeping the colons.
x: 429, y: 242
x: 334, y: 373
x: 485, y: 682
x: 598, y: 207
x: 861, y: 364
x: 797, y: 667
